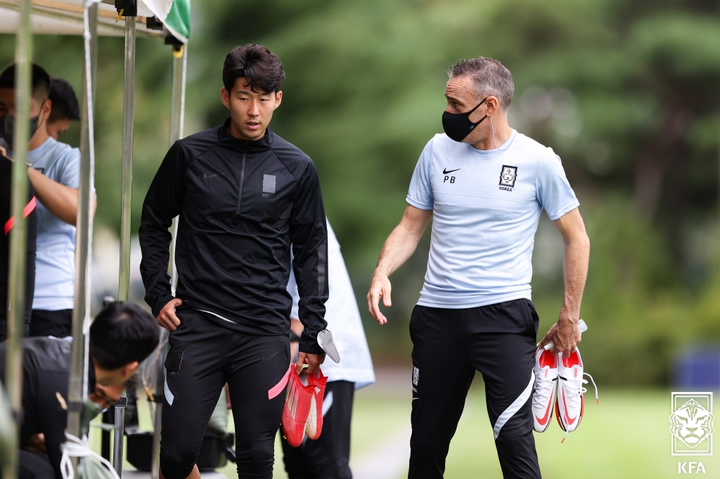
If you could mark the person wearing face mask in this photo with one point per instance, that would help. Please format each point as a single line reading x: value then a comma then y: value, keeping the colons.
x: 55, y: 177
x: 484, y: 185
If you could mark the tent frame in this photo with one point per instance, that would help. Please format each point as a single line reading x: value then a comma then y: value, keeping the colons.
x: 18, y: 238
x: 16, y: 291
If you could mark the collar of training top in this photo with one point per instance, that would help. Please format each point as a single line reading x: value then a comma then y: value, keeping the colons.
x: 263, y: 143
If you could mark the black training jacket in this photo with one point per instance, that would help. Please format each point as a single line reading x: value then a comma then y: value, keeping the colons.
x: 242, y: 204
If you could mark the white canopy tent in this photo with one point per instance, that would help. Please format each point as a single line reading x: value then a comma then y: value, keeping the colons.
x: 163, y: 19
x: 65, y: 17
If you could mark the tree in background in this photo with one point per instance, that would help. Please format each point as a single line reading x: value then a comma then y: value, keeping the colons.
x: 625, y: 92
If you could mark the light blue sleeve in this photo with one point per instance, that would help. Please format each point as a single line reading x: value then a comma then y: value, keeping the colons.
x: 553, y: 189
x: 420, y: 193
x: 68, y: 172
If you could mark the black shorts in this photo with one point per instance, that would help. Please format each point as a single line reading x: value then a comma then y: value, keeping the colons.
x: 51, y: 323
x: 449, y: 345
x: 203, y: 356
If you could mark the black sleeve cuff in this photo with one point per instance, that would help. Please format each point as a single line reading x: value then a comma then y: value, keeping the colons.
x: 309, y: 344
x: 160, y: 304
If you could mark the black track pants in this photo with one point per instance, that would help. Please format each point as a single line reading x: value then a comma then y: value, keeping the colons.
x: 448, y: 347
x: 203, y: 357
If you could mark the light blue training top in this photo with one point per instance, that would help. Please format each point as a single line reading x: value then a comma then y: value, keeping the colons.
x: 55, y: 261
x: 486, y: 206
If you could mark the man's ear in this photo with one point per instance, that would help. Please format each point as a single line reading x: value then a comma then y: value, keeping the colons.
x: 278, y: 98
x: 129, y: 369
x: 225, y: 97
x: 493, y: 105
x: 47, y: 107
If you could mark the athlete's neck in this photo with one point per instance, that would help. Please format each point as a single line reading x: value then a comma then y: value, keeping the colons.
x: 40, y: 137
x: 498, y: 132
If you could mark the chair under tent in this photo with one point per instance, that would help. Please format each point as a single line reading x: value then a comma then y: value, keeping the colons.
x: 164, y: 20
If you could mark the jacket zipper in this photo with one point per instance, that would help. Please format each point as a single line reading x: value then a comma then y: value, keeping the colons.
x: 242, y: 181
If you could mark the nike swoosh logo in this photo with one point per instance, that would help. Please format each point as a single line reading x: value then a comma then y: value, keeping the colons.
x: 446, y: 171
x: 568, y: 419
x: 543, y: 420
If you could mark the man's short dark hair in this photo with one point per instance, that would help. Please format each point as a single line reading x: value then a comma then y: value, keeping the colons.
x: 122, y: 333
x: 260, y: 67
x: 64, y: 102
x: 40, y: 81
x: 490, y: 78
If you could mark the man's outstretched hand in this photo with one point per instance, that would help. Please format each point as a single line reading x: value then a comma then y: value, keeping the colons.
x: 379, y: 287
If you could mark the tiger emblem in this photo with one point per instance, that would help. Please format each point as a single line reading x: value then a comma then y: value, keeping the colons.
x: 692, y: 424
x: 508, y: 174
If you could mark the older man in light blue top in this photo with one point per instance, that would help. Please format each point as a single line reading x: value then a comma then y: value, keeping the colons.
x: 484, y: 185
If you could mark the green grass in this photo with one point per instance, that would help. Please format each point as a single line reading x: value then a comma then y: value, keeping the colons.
x: 626, y: 436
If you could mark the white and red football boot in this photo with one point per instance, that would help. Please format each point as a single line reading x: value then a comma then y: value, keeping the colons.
x: 314, y: 424
x: 570, y: 405
x: 298, y: 402
x: 543, y: 397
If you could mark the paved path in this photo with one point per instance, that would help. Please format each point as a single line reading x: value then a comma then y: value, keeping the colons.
x: 388, y: 460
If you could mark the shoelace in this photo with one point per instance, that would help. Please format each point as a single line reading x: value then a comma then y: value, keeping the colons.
x: 543, y: 389
x: 581, y: 390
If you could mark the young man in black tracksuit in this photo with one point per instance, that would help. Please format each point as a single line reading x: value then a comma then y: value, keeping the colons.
x: 244, y: 196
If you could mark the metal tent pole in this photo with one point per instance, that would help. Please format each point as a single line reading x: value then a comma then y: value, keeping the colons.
x: 177, y: 106
x: 81, y: 313
x: 8, y: 434
x: 125, y: 214
x: 18, y: 235
x: 127, y: 159
x: 177, y: 118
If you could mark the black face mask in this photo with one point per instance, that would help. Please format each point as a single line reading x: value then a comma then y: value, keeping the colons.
x: 458, y: 125
x: 7, y: 128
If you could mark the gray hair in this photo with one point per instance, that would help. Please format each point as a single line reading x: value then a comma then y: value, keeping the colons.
x: 490, y: 78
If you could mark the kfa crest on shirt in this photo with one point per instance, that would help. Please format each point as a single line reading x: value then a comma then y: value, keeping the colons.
x: 268, y: 186
x: 508, y: 175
